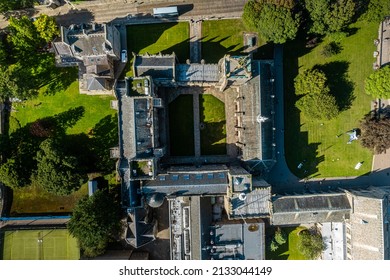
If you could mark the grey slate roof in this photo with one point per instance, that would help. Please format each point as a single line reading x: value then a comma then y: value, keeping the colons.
x: 318, y: 208
x: 156, y: 67
x: 139, y: 233
x: 369, y: 222
x: 184, y: 184
x: 95, y: 83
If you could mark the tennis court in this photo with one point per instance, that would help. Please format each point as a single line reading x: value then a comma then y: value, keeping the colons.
x: 51, y: 244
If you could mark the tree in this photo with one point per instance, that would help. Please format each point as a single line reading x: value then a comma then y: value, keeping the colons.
x: 378, y: 83
x: 8, y: 86
x: 13, y: 173
x: 275, y: 22
x: 57, y: 172
x: 375, y: 133
x: 280, y: 236
x: 3, y: 53
x: 329, y: 16
x: 310, y: 244
x: 8, y: 5
x: 274, y: 246
x: 23, y: 36
x: 377, y: 10
x: 319, y: 106
x: 331, y: 49
x: 94, y: 222
x: 46, y: 27
x: 311, y: 81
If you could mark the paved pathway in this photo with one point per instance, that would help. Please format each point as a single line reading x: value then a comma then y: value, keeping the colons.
x: 195, y: 40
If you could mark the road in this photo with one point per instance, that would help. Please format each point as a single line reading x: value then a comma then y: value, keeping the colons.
x: 108, y: 10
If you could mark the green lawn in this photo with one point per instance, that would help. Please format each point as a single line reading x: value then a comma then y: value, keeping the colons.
x: 213, y: 132
x: 154, y: 38
x: 181, y: 126
x: 55, y: 244
x: 220, y: 37
x: 289, y: 250
x: 316, y: 141
x: 95, y: 108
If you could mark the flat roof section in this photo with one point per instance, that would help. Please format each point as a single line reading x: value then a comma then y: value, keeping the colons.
x: 197, y: 72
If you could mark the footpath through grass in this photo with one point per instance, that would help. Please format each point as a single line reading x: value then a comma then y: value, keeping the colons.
x: 213, y: 128
x: 154, y: 38
x: 316, y: 142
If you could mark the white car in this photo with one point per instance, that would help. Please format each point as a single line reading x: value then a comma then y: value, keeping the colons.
x: 124, y: 56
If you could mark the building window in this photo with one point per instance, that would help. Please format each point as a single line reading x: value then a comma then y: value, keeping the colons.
x: 186, y: 176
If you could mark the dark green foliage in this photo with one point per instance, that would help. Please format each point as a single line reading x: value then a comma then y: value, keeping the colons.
x: 3, y: 53
x: 94, y: 222
x: 13, y: 173
x: 280, y: 236
x: 378, y: 83
x: 329, y: 16
x: 311, y: 81
x: 331, y: 49
x: 274, y: 22
x: 23, y: 37
x: 318, y: 107
x: 375, y: 133
x: 377, y: 10
x: 310, y: 244
x: 31, y: 67
x: 57, y: 172
x: 9, y: 5
x: 316, y: 103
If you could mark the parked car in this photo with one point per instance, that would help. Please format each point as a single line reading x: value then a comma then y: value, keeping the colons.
x: 124, y: 56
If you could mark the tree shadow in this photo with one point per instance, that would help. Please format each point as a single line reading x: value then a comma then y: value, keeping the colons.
x: 103, y: 137
x: 78, y: 16
x: 69, y: 118
x: 339, y: 84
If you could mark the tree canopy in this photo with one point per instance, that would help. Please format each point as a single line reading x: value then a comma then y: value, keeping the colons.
x: 46, y: 27
x: 318, y: 106
x: 375, y: 133
x: 310, y: 244
x: 57, y: 172
x: 94, y: 222
x: 274, y: 20
x: 329, y: 16
x: 311, y: 81
x: 9, y: 5
x: 316, y: 101
x: 377, y: 10
x: 378, y: 83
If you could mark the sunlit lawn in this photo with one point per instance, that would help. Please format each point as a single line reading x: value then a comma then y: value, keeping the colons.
x: 289, y: 250
x: 316, y: 141
x: 220, y: 37
x: 213, y: 132
x: 154, y: 38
